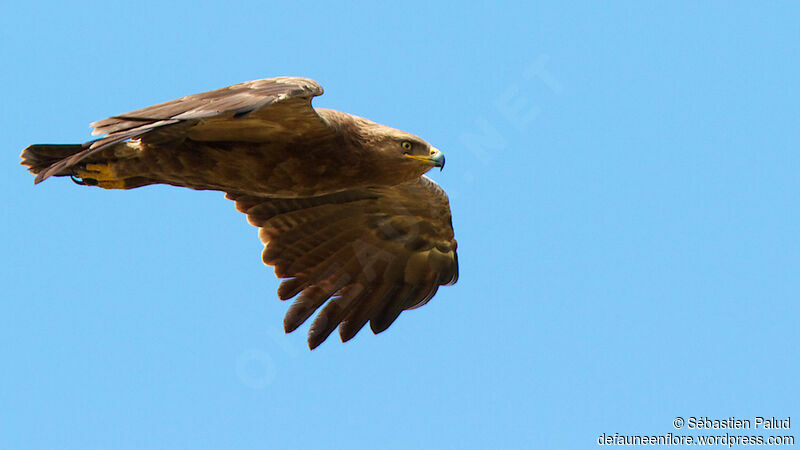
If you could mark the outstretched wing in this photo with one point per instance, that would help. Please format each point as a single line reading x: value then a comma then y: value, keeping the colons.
x: 373, y: 252
x: 254, y: 111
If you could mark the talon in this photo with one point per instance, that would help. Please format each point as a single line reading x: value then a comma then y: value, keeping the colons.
x: 77, y: 180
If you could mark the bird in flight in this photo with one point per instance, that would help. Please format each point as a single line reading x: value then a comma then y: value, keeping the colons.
x: 343, y: 207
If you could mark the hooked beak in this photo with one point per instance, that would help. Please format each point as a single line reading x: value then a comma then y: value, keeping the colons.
x: 436, y: 158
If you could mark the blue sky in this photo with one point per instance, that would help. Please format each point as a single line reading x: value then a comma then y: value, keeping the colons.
x: 623, y: 177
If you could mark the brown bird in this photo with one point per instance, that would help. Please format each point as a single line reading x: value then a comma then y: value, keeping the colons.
x: 343, y: 208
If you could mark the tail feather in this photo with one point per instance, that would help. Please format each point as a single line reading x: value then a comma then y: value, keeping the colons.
x: 40, y: 157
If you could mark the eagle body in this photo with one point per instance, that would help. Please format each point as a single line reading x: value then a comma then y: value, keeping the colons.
x: 328, y: 162
x: 343, y: 208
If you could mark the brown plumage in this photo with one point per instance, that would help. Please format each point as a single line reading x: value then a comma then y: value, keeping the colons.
x: 343, y: 208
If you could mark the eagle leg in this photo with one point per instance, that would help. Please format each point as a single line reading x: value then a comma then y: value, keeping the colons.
x: 98, y: 174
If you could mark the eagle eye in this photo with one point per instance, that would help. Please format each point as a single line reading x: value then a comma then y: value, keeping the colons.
x: 406, y: 145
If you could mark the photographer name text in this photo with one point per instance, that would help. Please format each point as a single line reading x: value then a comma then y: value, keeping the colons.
x: 734, y: 423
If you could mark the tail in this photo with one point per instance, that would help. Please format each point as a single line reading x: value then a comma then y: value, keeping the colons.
x: 40, y: 157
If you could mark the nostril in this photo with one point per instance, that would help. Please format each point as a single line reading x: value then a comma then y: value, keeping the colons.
x: 433, y: 152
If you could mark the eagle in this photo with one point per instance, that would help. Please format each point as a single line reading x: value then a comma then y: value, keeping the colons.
x: 346, y: 215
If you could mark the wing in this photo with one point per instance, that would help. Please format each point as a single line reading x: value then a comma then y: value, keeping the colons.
x: 253, y: 111
x: 373, y: 252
